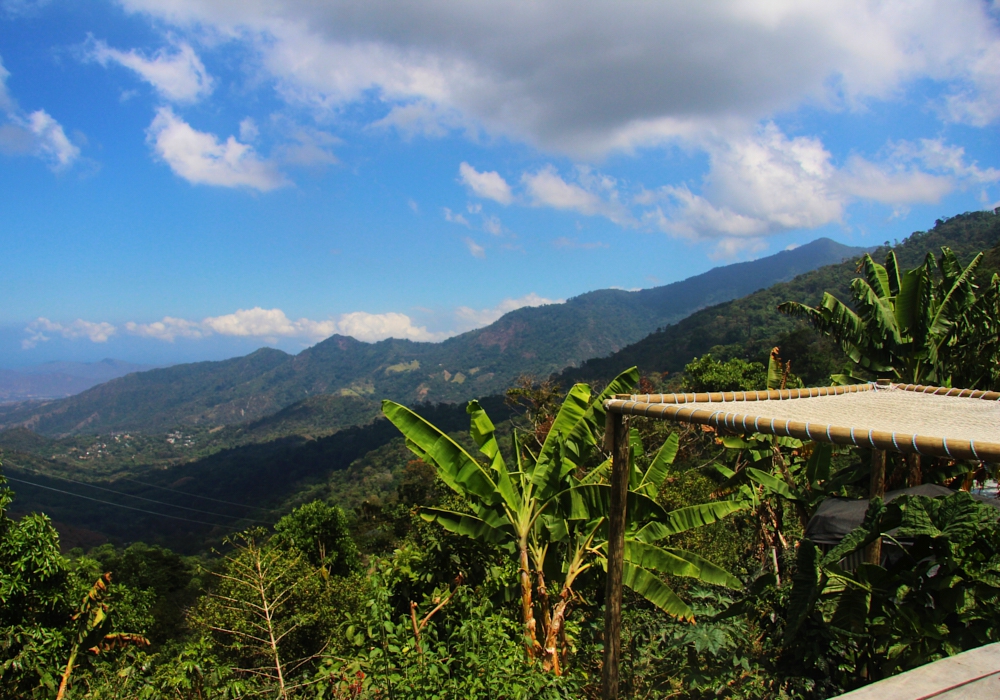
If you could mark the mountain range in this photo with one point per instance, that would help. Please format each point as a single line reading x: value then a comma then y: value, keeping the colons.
x: 536, y: 341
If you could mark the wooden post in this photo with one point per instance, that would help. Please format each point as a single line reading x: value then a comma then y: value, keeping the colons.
x: 873, y: 555
x: 616, y: 546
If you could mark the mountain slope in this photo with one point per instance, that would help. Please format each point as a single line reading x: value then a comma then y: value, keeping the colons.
x: 750, y: 326
x: 537, y: 340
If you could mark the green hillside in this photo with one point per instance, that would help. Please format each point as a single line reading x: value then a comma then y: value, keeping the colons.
x: 750, y: 326
x: 535, y: 341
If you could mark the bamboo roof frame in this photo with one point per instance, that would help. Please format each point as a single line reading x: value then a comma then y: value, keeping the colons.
x: 734, y: 412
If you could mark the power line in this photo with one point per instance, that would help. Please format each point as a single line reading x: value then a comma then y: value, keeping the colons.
x: 117, y: 505
x: 194, y: 495
x: 142, y: 498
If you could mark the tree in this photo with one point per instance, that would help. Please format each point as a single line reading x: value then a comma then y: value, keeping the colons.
x: 914, y: 327
x: 320, y: 532
x: 551, y: 509
x: 935, y: 596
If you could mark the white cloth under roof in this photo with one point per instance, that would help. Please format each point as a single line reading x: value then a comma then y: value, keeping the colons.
x: 888, y: 409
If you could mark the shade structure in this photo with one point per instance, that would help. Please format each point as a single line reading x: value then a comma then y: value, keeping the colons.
x: 937, y: 421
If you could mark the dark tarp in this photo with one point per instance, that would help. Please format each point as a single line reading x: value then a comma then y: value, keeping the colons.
x: 836, y: 517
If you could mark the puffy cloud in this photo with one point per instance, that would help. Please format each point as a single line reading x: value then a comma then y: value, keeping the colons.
x: 372, y: 327
x: 469, y: 318
x: 37, y: 133
x: 95, y: 332
x: 594, y: 196
x: 51, y: 140
x: 703, y: 67
x: 267, y: 323
x: 272, y: 323
x: 179, y: 76
x: 475, y: 249
x: 201, y: 159
x: 168, y: 329
x: 488, y: 185
x: 766, y: 182
x: 938, y: 156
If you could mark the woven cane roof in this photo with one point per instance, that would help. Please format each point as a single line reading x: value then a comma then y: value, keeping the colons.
x: 957, y: 423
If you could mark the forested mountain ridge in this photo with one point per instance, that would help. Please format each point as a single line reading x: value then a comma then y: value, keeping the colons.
x: 748, y: 327
x: 537, y: 340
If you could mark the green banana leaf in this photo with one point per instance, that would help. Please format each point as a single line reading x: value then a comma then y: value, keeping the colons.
x: 455, y: 466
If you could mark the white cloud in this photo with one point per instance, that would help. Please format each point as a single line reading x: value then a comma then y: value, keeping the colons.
x: 475, y: 249
x: 454, y: 218
x: 274, y: 323
x: 938, y: 156
x: 168, y: 329
x: 95, y: 332
x: 179, y: 76
x: 492, y: 225
x: 248, y: 130
x: 488, y: 185
x: 51, y: 140
x: 37, y: 133
x: 469, y: 318
x: 201, y: 159
x: 267, y: 323
x: 594, y: 196
x: 372, y: 327
x: 766, y: 183
x: 703, y: 67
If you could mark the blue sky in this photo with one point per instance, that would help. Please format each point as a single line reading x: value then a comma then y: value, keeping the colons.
x: 192, y: 179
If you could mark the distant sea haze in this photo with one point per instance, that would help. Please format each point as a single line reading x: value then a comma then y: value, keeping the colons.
x: 57, y: 380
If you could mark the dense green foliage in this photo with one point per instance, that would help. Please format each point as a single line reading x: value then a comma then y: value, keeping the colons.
x: 915, y: 327
x: 367, y: 565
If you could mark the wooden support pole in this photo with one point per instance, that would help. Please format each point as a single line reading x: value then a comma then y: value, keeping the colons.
x: 616, y: 546
x: 873, y: 555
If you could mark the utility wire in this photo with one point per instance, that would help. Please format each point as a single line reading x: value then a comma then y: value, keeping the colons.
x: 194, y: 495
x: 117, y: 505
x: 142, y: 498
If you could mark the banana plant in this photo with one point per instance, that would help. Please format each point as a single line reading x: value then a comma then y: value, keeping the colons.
x: 551, y: 508
x: 906, y: 325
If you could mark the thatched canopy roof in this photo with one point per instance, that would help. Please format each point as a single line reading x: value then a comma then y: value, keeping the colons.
x: 955, y: 423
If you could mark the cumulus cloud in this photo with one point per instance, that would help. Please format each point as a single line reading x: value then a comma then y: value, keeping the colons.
x: 372, y: 327
x: 41, y: 330
x: 201, y: 159
x: 169, y: 329
x: 37, y: 133
x: 51, y: 140
x: 766, y: 183
x: 703, y: 67
x: 177, y: 75
x: 470, y: 318
x: 256, y: 322
x: 595, y: 195
x: 488, y: 185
